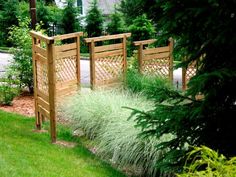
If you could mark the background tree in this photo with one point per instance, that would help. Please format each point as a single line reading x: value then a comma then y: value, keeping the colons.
x: 8, y: 17
x: 70, y: 21
x: 94, y: 20
x: 142, y: 28
x: 209, y: 40
x: 133, y: 8
x: 43, y: 15
x: 116, y: 25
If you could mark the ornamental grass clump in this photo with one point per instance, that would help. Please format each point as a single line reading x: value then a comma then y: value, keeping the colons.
x: 103, y: 118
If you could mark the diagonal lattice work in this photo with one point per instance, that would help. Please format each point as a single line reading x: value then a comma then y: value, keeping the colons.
x: 155, y: 61
x: 108, y: 68
x: 107, y: 61
x: 42, y: 77
x: 158, y: 67
x: 66, y: 69
x: 188, y: 73
x: 56, y: 73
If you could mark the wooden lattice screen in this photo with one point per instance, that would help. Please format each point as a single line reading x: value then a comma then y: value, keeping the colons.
x: 155, y: 61
x: 56, y: 73
x: 188, y: 73
x: 107, y: 62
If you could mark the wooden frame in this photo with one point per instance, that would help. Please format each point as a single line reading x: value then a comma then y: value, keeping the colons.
x: 47, y: 82
x: 155, y: 56
x: 107, y: 60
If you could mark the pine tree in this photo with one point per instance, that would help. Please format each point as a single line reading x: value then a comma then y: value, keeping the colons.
x: 8, y: 17
x: 94, y: 20
x: 142, y: 28
x: 70, y: 23
x: 206, y: 32
x: 116, y: 24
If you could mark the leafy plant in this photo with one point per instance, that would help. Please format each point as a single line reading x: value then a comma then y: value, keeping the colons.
x: 207, y: 162
x: 101, y: 116
x: 21, y: 66
x: 8, y: 91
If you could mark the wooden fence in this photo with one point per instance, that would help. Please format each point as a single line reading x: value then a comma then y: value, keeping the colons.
x: 56, y: 73
x: 188, y: 73
x: 155, y: 61
x: 107, y: 62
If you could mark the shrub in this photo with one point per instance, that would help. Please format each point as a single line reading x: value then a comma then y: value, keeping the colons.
x: 207, y: 162
x: 21, y: 66
x: 8, y: 90
x: 101, y: 116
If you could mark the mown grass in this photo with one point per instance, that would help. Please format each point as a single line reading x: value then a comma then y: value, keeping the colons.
x: 29, y: 154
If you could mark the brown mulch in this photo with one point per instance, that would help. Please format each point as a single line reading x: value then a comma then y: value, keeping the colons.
x: 23, y: 104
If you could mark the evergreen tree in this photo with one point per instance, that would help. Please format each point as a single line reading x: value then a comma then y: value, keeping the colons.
x: 206, y: 31
x: 133, y: 8
x: 8, y: 17
x: 43, y: 14
x: 70, y: 22
x: 94, y: 20
x: 142, y: 28
x: 116, y: 24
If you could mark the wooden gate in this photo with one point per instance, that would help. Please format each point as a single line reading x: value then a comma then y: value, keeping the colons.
x: 56, y: 73
x: 155, y: 61
x: 107, y: 62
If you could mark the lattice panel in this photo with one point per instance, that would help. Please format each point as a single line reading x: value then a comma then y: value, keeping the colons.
x: 66, y: 69
x: 158, y: 67
x: 108, y: 68
x: 190, y: 72
x: 42, y: 77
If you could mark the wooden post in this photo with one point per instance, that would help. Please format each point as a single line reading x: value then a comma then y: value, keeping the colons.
x: 33, y: 13
x: 92, y: 64
x: 184, y: 71
x: 140, y: 58
x: 124, y: 56
x: 171, y: 45
x: 78, y: 61
x: 38, y: 122
x: 51, y: 89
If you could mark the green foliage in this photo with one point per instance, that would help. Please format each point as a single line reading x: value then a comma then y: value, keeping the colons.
x: 207, y: 162
x: 141, y: 28
x: 7, y: 92
x: 21, y: 67
x: 131, y: 9
x: 8, y: 17
x: 205, y: 37
x: 101, y: 116
x: 70, y: 23
x: 94, y: 20
x: 43, y: 14
x: 145, y: 84
x: 116, y: 24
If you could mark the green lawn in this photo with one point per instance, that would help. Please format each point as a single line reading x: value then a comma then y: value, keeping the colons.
x: 24, y: 153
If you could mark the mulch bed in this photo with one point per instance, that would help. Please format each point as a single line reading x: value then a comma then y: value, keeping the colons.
x: 23, y: 104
